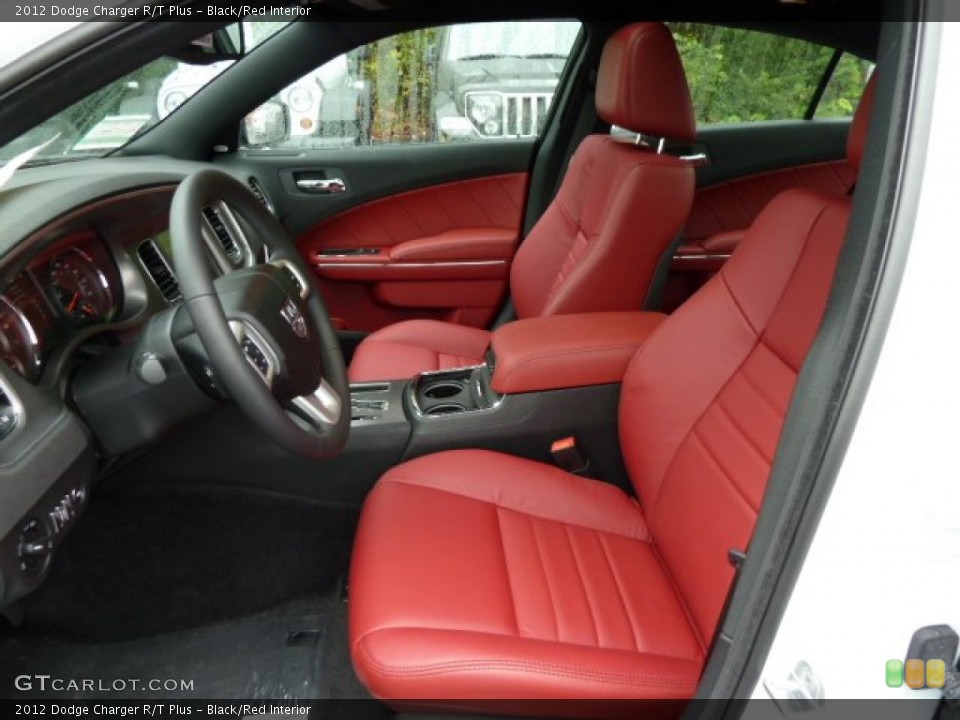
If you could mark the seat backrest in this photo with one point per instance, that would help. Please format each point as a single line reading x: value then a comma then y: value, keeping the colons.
x: 621, y: 204
x: 703, y: 402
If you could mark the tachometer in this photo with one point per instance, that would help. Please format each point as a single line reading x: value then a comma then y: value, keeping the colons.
x: 19, y: 346
x: 80, y: 288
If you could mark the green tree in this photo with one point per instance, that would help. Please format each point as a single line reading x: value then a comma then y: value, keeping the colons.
x: 738, y: 75
x: 400, y: 75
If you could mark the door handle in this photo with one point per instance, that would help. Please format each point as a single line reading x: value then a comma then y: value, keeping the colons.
x: 322, y: 186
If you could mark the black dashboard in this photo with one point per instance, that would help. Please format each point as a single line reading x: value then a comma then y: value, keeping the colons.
x: 86, y: 273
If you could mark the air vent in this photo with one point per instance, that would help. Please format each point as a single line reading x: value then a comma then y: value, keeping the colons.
x: 9, y: 412
x: 229, y: 245
x: 156, y: 264
x: 258, y: 191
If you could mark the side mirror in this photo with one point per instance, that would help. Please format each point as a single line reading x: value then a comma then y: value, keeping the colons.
x: 267, y: 125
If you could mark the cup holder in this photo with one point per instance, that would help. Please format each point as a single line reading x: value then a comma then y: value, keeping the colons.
x: 446, y: 392
x: 443, y: 390
x: 445, y: 409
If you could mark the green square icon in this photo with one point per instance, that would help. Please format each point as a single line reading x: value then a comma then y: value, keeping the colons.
x: 894, y: 673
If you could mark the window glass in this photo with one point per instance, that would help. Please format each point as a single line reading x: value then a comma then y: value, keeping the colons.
x: 475, y: 82
x: 111, y: 116
x: 843, y: 91
x: 741, y: 76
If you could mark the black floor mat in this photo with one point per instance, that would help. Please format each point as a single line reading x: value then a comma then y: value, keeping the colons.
x: 276, y: 654
x: 150, y: 562
x: 236, y: 590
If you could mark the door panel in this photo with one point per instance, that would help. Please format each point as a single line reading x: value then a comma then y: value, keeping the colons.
x: 749, y: 164
x: 441, y: 252
x: 494, y: 202
x: 417, y: 232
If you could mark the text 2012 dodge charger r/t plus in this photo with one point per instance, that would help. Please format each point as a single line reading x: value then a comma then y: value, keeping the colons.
x: 537, y: 364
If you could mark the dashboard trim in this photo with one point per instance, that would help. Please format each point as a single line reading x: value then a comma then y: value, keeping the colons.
x: 33, y: 372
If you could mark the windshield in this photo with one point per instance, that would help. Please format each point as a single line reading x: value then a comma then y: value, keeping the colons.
x: 116, y: 113
x: 511, y: 39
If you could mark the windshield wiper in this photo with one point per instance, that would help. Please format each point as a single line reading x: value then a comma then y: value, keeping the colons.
x: 14, y: 163
x: 545, y: 56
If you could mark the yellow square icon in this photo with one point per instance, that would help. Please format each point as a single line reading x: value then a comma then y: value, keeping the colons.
x: 936, y: 672
x: 913, y: 674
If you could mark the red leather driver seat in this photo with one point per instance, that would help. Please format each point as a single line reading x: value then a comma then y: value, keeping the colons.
x: 478, y: 575
x: 598, y: 244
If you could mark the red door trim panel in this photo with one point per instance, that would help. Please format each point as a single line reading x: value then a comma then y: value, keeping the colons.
x: 456, y: 240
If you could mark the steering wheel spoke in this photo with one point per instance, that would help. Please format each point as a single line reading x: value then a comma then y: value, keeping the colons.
x: 257, y: 350
x: 293, y: 273
x: 321, y: 408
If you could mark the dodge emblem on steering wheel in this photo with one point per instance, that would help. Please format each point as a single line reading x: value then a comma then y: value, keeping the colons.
x: 294, y: 318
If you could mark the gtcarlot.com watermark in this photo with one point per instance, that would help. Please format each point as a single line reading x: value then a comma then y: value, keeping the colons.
x: 28, y: 683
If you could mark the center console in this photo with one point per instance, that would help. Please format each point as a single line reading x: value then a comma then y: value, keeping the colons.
x: 542, y: 379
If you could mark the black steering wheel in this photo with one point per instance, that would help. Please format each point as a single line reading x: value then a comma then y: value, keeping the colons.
x: 261, y: 320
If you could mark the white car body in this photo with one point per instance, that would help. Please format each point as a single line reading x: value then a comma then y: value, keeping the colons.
x: 20, y: 38
x: 885, y: 560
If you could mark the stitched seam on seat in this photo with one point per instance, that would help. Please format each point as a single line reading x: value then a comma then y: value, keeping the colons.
x: 564, y: 281
x: 757, y: 341
x: 736, y: 303
x: 687, y: 613
x: 758, y: 390
x: 506, y: 567
x: 783, y: 290
x: 567, y: 213
x: 574, y: 256
x: 546, y: 580
x: 583, y: 584
x: 695, y: 435
x: 743, y: 433
x: 621, y: 595
x: 647, y: 538
x: 705, y: 410
x: 540, y: 668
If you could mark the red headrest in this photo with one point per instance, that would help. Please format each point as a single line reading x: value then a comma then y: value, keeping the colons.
x: 857, y: 139
x: 641, y: 85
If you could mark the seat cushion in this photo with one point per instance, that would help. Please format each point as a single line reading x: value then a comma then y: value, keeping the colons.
x: 400, y: 351
x: 478, y: 575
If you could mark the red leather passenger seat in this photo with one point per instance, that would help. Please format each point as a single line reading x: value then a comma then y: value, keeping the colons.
x: 478, y: 575
x: 598, y: 244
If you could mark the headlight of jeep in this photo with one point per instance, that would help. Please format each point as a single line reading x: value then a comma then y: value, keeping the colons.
x: 300, y: 99
x: 173, y: 100
x: 484, y: 109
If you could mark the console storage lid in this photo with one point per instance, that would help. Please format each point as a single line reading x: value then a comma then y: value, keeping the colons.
x: 566, y: 351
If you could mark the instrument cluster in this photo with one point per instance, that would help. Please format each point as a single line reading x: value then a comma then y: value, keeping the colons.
x: 73, y: 285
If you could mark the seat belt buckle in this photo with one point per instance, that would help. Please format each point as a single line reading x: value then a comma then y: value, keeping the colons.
x: 568, y: 456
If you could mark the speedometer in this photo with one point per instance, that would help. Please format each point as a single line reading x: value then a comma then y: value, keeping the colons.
x: 19, y: 347
x: 80, y: 288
